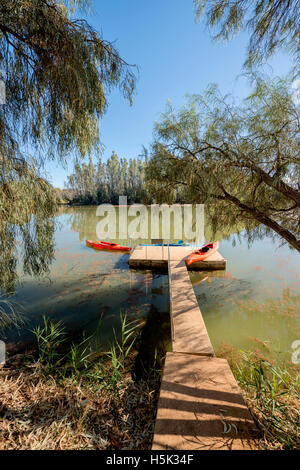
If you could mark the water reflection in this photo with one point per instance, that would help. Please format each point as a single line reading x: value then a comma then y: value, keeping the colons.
x: 239, y: 305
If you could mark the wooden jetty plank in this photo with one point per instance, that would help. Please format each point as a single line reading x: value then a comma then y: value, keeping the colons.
x: 189, y: 334
x: 201, y: 407
x: 157, y: 256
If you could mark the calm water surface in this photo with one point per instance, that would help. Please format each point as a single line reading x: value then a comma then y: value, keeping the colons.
x: 257, y: 298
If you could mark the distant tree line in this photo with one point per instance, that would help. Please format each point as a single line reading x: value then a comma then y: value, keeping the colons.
x: 105, y: 181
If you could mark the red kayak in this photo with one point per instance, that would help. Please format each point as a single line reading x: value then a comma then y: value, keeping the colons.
x: 99, y: 245
x: 203, y: 253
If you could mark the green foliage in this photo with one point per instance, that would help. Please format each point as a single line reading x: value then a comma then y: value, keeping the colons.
x: 273, y: 25
x: 118, y: 355
x: 116, y: 374
x: 50, y: 338
x: 125, y: 343
x: 84, y: 359
x: 79, y: 355
x: 243, y: 158
x: 90, y: 405
x: 26, y: 225
x: 57, y: 71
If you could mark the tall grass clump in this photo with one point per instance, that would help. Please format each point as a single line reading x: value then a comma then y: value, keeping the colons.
x: 50, y: 337
x: 127, y: 338
x: 111, y: 369
x: 85, y: 359
x: 272, y: 392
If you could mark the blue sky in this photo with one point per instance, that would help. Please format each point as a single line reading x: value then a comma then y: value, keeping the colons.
x: 175, y: 56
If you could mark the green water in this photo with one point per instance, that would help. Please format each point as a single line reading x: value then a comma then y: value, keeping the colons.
x: 256, y: 299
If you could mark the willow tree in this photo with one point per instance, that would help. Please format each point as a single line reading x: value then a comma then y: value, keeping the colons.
x: 273, y: 24
x: 242, y: 157
x: 57, y: 71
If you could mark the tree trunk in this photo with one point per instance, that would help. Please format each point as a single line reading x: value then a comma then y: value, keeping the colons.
x: 266, y: 220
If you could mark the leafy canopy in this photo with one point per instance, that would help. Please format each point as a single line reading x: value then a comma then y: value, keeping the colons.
x: 57, y: 71
x: 273, y: 24
x: 244, y: 157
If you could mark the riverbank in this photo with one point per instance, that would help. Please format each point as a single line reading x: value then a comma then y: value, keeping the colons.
x: 77, y: 399
x: 99, y: 404
x: 42, y: 413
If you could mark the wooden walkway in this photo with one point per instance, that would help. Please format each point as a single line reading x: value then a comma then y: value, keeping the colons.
x: 189, y: 334
x: 200, y: 405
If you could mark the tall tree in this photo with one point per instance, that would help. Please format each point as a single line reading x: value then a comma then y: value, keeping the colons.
x: 243, y: 157
x: 109, y: 180
x: 273, y: 24
x: 57, y: 72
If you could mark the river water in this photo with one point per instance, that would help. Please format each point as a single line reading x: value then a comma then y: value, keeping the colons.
x: 255, y: 302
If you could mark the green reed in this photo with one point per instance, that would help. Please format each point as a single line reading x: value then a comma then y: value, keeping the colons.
x: 274, y: 397
x: 63, y: 359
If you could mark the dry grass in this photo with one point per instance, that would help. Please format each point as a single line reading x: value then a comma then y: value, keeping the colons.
x: 43, y: 413
x: 280, y: 432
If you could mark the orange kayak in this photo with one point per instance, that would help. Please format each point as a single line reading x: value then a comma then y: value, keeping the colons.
x: 100, y: 245
x: 203, y: 253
